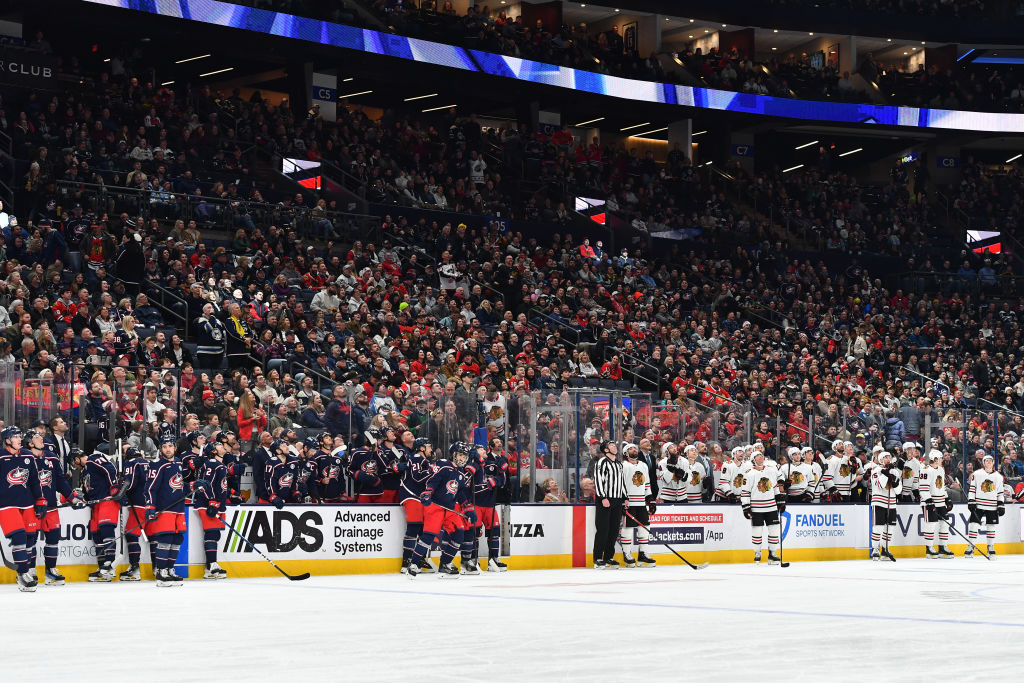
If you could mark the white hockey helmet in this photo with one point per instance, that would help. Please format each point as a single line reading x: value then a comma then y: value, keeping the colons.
x: 934, y: 455
x: 908, y: 445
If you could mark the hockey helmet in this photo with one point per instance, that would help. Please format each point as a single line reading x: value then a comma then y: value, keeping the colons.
x: 212, y: 449
x: 934, y: 455
x: 132, y: 453
x: 419, y: 444
x: 190, y: 467
x: 192, y: 438
x: 10, y: 433
x: 311, y: 442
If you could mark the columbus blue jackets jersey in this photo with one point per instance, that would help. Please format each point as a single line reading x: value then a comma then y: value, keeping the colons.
x: 447, y: 486
x: 365, y: 470
x: 212, y: 484
x: 99, y: 477
x: 19, y: 480
x: 330, y: 482
x: 51, y: 477
x: 166, y: 489
x: 135, y: 480
x: 282, y: 480
x: 414, y: 479
x: 495, y: 477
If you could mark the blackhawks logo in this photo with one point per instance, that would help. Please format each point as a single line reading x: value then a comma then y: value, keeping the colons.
x: 738, y: 481
x: 796, y: 478
x: 987, y: 486
x: 938, y: 482
x: 638, y: 478
x: 764, y: 485
x: 695, y: 478
x: 908, y: 473
x: 844, y: 470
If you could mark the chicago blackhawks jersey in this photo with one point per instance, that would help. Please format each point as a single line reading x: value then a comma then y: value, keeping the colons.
x: 760, y: 488
x: 986, y: 490
x: 933, y: 486
x: 638, y: 483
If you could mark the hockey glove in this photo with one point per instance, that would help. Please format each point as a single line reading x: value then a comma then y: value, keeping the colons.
x: 973, y: 509
x: 1001, y: 509
x: 746, y: 511
x: 470, y: 513
x: 77, y: 502
x: 151, y: 515
x: 808, y: 497
x: 492, y: 483
x: 425, y: 497
x: 651, y: 507
x: 929, y: 509
x: 277, y: 502
x: 114, y: 493
x: 781, y: 502
x: 212, y: 508
x: 40, y: 508
x: 949, y: 507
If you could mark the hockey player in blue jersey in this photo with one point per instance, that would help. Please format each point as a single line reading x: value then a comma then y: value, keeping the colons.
x: 330, y: 469
x: 308, y: 490
x: 282, y: 476
x: 473, y: 474
x: 192, y: 458
x: 55, y: 486
x: 447, y: 513
x: 165, y: 517
x: 21, y: 503
x: 495, y: 478
x: 100, y: 485
x: 233, y: 461
x: 209, y: 498
x: 134, y: 481
x: 365, y: 469
x: 415, y: 473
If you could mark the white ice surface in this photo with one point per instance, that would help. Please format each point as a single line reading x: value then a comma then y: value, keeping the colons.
x: 912, y: 620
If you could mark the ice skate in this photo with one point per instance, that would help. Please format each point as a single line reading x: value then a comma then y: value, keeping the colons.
x: 757, y: 557
x: 130, y: 574
x: 101, y: 575
x: 945, y: 553
x: 875, y: 554
x: 405, y: 567
x: 644, y: 561
x: 612, y: 564
x: 469, y: 567
x: 969, y: 552
x: 448, y: 571
x: 54, y: 577
x: 496, y: 565
x: 214, y: 571
x: 426, y: 566
x: 888, y: 555
x: 773, y: 558
x: 628, y: 561
x: 930, y: 554
x: 599, y: 564
x: 162, y: 581
x: 412, y: 570
x: 27, y: 582
x: 992, y: 552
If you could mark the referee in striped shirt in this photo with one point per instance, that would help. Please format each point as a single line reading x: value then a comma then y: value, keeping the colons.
x: 610, y: 495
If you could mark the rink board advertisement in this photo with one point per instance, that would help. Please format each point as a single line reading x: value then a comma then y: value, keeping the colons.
x: 359, y: 539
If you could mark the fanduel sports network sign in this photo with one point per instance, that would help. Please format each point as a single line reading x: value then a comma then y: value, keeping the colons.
x: 32, y: 69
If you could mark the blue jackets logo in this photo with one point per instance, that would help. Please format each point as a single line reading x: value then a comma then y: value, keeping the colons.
x: 813, y: 525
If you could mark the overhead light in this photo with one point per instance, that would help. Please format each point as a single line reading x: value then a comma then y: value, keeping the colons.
x: 218, y: 71
x: 691, y: 35
x: 648, y: 132
x: 922, y: 42
x: 666, y: 18
x: 699, y: 132
x: 639, y: 125
x: 355, y: 94
x: 420, y: 97
x: 707, y: 164
x: 346, y: 80
x: 616, y: 10
x: 106, y: 60
x: 707, y: 31
x: 775, y: 31
x: 807, y: 144
x: 583, y: 4
x: 447, y: 106
x: 811, y: 33
x: 852, y: 151
x: 723, y: 25
x: 167, y: 83
x: 905, y: 52
x: 691, y: 21
x: 888, y: 40
x: 583, y: 123
x: 191, y: 59
x: 792, y: 168
x: 1014, y: 158
x: 775, y: 48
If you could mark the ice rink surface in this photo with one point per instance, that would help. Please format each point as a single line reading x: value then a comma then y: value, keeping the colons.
x: 913, y: 620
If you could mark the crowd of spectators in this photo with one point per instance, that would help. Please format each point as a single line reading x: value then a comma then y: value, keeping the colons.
x: 431, y: 316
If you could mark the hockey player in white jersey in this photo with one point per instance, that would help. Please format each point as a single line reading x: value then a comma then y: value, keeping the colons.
x: 639, y: 504
x: 672, y: 475
x: 935, y: 505
x: 762, y: 502
x: 886, y: 485
x: 730, y: 483
x: 695, y: 475
x: 802, y: 474
x: 911, y: 472
x: 986, y: 501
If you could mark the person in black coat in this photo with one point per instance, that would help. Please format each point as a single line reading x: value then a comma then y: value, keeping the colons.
x: 131, y: 263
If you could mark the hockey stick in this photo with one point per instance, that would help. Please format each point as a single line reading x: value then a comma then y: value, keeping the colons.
x: 163, y: 509
x: 291, y: 577
x: 954, y: 530
x: 702, y: 565
x: 781, y: 563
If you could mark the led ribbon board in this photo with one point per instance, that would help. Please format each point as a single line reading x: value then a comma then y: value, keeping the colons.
x: 286, y: 25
